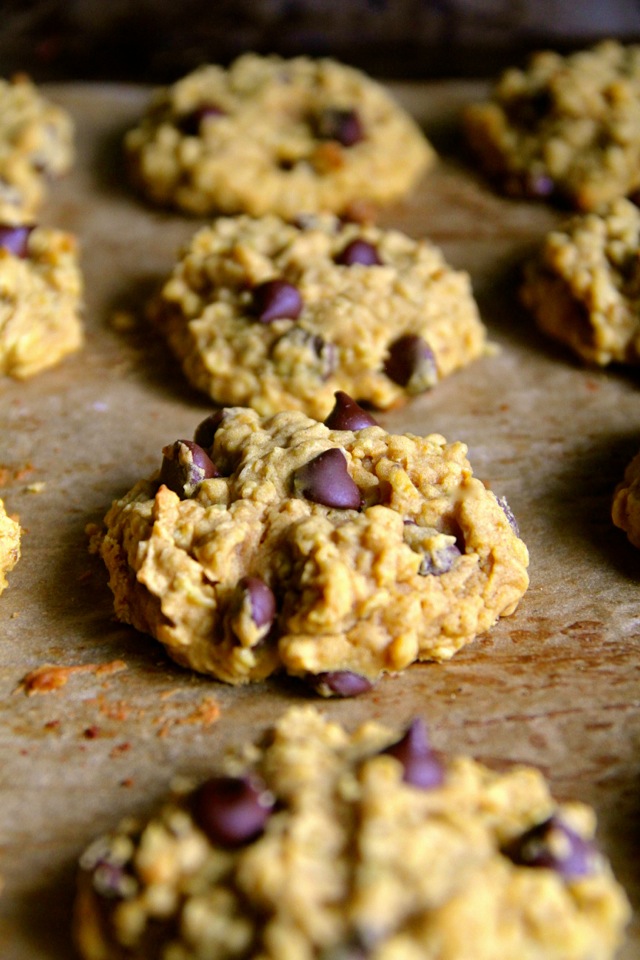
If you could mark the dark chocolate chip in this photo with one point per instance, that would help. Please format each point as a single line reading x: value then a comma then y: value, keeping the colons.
x: 553, y: 844
x: 513, y: 523
x: 189, y: 123
x: 206, y: 430
x: 184, y: 466
x: 326, y: 480
x: 340, y: 683
x: 411, y: 364
x: 261, y: 599
x: 344, y: 126
x: 276, y: 300
x: 232, y: 811
x: 359, y: 251
x: 440, y: 562
x: 15, y: 240
x: 421, y: 767
x: 348, y: 415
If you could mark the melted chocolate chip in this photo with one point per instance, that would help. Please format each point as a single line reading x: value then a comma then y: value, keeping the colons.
x: 553, y: 844
x: 411, y: 364
x: 421, y: 767
x: 184, y: 466
x: 326, y: 480
x: 232, y: 811
x: 276, y: 300
x: 340, y: 683
x: 440, y: 562
x: 348, y: 415
x: 15, y: 240
x: 261, y: 600
x: 359, y: 251
x: 344, y: 126
x: 206, y: 430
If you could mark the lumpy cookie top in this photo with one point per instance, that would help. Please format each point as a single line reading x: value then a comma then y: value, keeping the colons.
x: 583, y: 287
x: 565, y: 126
x: 9, y: 544
x: 334, y: 551
x: 317, y: 843
x: 270, y: 135
x: 279, y: 316
x: 36, y: 145
x: 41, y: 288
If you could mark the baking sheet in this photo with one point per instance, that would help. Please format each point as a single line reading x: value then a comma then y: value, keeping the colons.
x: 101, y: 735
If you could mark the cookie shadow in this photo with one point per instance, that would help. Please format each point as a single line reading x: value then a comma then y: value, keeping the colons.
x: 42, y: 919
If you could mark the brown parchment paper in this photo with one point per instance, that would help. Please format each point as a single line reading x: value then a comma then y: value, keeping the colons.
x: 556, y: 685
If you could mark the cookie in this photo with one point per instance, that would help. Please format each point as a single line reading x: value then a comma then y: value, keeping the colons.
x: 36, y: 146
x: 277, y: 316
x: 334, y: 551
x: 564, y: 127
x: 271, y: 135
x: 583, y: 286
x: 9, y: 545
x: 320, y: 843
x: 625, y: 510
x: 40, y: 298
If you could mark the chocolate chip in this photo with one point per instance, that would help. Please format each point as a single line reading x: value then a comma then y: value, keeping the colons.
x: 340, y: 683
x: 184, y: 466
x: 276, y: 300
x: 262, y: 603
x: 348, y: 415
x: 299, y: 348
x: 206, y: 430
x: 232, y: 811
x: 411, y: 364
x: 441, y: 561
x: 189, y: 123
x: 344, y: 126
x: 326, y: 480
x: 513, y: 523
x: 15, y: 240
x: 359, y: 251
x: 553, y: 844
x: 421, y: 767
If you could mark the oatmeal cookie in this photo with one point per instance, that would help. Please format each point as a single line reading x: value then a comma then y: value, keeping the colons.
x: 333, y: 551
x: 625, y: 510
x: 320, y: 843
x: 276, y: 316
x: 584, y: 286
x: 40, y: 298
x: 270, y: 135
x: 565, y: 127
x: 9, y: 545
x: 36, y: 146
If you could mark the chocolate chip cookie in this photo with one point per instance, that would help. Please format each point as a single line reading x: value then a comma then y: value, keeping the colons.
x: 36, y: 146
x: 278, y: 316
x: 41, y: 302
x: 320, y: 843
x: 564, y: 127
x: 625, y: 509
x: 334, y: 551
x: 9, y: 545
x: 272, y: 135
x: 583, y: 287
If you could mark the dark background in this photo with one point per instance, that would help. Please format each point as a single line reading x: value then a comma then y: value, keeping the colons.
x: 159, y: 40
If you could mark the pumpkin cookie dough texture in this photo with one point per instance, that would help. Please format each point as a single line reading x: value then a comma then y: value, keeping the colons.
x: 335, y: 553
x: 565, y: 127
x: 276, y: 316
x: 40, y: 299
x: 584, y: 286
x: 9, y: 545
x: 321, y: 843
x: 625, y: 510
x: 270, y: 135
x: 36, y: 146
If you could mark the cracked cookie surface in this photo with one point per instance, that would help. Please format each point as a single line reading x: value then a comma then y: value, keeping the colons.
x: 9, y: 545
x: 316, y: 842
x: 41, y: 289
x: 271, y: 135
x: 279, y: 316
x: 564, y: 127
x: 583, y: 288
x: 329, y: 553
